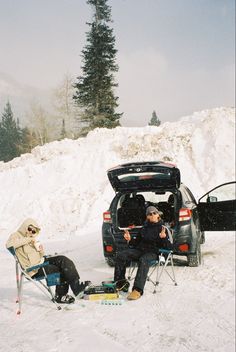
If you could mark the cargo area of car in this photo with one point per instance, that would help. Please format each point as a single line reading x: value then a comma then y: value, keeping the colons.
x: 131, y: 208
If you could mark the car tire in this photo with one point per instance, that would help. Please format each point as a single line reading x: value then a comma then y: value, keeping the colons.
x: 111, y: 262
x: 195, y: 259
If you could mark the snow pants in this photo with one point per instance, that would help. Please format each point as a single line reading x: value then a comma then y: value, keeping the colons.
x: 123, y: 259
x: 69, y: 276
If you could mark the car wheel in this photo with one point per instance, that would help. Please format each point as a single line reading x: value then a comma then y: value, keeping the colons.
x: 195, y: 259
x: 111, y: 262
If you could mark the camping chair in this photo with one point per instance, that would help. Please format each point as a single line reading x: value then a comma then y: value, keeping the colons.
x: 49, y: 280
x: 159, y: 266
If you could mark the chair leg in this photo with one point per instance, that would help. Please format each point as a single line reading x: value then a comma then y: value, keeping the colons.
x: 48, y: 288
x: 132, y: 267
x: 40, y: 285
x: 172, y: 268
x: 164, y: 268
x: 17, y: 282
x: 151, y: 271
x: 19, y: 293
x: 45, y: 288
x: 50, y: 295
x: 160, y: 268
x: 156, y: 283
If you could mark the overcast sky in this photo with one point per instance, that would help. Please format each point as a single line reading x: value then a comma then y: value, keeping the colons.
x: 174, y: 56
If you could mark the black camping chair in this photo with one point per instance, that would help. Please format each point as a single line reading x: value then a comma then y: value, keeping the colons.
x: 158, y: 266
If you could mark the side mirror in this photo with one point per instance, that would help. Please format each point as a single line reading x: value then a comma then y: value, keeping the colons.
x: 211, y: 199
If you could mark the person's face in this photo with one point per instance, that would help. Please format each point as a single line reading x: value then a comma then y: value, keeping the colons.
x: 153, y: 216
x: 32, y: 231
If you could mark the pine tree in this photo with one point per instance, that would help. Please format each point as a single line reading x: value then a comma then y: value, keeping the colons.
x: 10, y: 139
x: 94, y: 89
x: 155, y: 121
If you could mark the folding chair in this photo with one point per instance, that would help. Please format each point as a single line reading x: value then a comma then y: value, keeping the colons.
x: 160, y: 266
x: 165, y: 259
x: 49, y: 280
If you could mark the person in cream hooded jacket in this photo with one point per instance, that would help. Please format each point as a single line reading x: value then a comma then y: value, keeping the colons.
x: 24, y: 242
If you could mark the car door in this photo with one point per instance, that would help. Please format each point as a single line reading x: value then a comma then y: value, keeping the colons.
x: 217, y: 208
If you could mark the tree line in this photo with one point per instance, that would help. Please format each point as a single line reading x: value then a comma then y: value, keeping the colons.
x: 80, y: 106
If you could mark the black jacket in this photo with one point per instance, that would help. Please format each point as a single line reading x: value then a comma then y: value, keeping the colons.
x: 148, y: 239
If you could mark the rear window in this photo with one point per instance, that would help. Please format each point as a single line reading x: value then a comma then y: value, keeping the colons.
x: 164, y: 175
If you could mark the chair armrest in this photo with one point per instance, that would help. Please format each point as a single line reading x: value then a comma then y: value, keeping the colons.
x: 37, y: 266
x: 167, y: 251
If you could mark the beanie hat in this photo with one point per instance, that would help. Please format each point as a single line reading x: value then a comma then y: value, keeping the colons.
x: 151, y: 209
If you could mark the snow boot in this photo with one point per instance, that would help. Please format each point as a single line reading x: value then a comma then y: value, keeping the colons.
x: 67, y: 299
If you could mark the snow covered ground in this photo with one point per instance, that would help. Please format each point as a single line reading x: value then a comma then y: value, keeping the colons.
x: 64, y: 186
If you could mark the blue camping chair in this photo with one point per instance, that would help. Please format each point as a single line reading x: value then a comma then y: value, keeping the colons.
x: 44, y: 282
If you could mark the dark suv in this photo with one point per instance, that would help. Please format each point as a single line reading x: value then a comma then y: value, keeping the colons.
x: 138, y: 185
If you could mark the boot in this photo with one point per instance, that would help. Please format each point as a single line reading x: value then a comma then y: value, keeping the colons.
x: 82, y: 287
x: 67, y: 299
x: 134, y: 295
x: 122, y: 285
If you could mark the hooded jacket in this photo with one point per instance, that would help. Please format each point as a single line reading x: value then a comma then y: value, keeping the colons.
x: 24, y: 248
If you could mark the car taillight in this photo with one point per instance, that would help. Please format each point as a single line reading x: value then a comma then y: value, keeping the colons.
x: 185, y: 214
x: 183, y: 247
x: 108, y: 248
x: 107, y: 216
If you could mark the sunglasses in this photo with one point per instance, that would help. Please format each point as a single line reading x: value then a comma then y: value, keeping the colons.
x: 153, y: 213
x: 32, y: 230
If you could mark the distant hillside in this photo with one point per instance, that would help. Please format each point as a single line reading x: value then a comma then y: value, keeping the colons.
x: 20, y: 96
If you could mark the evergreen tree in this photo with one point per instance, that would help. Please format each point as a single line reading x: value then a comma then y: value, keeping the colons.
x: 94, y: 89
x: 155, y: 121
x: 9, y: 135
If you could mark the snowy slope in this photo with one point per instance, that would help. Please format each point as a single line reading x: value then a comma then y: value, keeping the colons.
x: 62, y: 182
x: 64, y: 186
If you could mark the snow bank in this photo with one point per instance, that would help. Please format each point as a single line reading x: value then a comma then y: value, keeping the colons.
x: 64, y: 184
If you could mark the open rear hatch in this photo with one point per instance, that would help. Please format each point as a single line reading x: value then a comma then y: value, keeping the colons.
x: 146, y: 176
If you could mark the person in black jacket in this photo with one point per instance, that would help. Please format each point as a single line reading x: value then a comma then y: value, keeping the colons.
x: 145, y: 249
